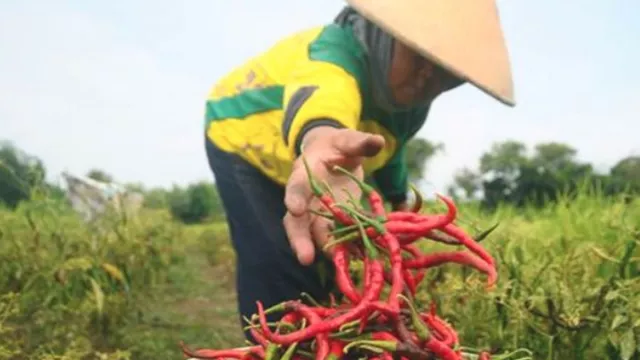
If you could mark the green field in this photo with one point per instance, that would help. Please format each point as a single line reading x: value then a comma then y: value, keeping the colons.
x: 132, y: 288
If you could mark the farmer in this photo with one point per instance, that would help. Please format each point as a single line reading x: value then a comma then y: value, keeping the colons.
x: 352, y: 93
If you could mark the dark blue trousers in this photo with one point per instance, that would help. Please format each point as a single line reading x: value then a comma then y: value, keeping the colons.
x: 266, y: 267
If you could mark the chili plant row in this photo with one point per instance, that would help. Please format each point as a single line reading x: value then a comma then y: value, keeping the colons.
x: 378, y: 317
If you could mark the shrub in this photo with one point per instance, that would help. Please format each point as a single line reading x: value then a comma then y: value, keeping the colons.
x: 68, y: 286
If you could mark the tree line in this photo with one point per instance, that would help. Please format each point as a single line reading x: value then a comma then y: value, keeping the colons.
x: 511, y: 173
x: 508, y: 173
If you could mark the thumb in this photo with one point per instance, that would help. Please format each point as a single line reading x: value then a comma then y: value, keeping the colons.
x: 353, y: 143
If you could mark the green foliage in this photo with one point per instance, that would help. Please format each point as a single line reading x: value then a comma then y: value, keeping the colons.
x: 467, y: 181
x: 197, y: 203
x: 569, y: 283
x: 569, y: 279
x: 19, y: 173
x: 99, y: 175
x: 69, y: 287
x: 625, y: 176
x: 578, y: 258
x: 156, y: 199
x: 507, y: 174
x: 417, y: 155
x: 628, y: 169
x: 121, y: 288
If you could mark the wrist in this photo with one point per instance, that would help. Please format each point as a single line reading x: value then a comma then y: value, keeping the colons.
x: 314, y: 130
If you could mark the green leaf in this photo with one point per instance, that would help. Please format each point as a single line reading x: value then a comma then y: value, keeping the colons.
x: 519, y: 253
x: 617, y: 321
x: 627, y: 345
x: 79, y: 263
x: 611, y: 296
x: 99, y: 295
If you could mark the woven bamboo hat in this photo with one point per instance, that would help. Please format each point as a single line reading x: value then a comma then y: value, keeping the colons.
x: 462, y: 36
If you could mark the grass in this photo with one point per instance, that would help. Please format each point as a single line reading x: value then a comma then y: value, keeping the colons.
x: 569, y: 284
x: 200, y: 309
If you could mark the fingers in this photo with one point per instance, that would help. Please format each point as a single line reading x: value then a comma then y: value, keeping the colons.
x: 352, y: 143
x: 349, y: 146
x: 298, y: 230
x: 297, y: 192
x: 321, y: 231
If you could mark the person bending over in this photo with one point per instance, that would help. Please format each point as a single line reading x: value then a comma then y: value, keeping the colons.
x: 352, y: 93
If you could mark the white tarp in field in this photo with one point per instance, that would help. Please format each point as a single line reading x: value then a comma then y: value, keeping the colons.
x: 91, y: 198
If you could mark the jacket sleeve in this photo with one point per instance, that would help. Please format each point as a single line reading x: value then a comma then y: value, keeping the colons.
x: 320, y: 94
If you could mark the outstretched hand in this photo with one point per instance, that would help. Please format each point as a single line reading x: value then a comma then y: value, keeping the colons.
x: 324, y: 148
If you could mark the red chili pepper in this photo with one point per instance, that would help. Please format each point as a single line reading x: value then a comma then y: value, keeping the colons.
x: 324, y: 312
x: 379, y: 335
x: 393, y: 232
x: 291, y: 318
x: 441, y: 350
x: 420, y: 274
x: 420, y: 328
x: 415, y: 225
x: 366, y: 281
x: 257, y: 354
x: 468, y: 242
x: 342, y: 275
x: 257, y: 336
x: 375, y: 200
x: 395, y: 257
x: 363, y: 307
x: 309, y: 313
x: 372, y: 256
x: 452, y: 213
x: 459, y: 257
x: 392, y: 346
x: 206, y: 354
x: 336, y: 349
x: 366, y: 285
x: 325, y: 199
x: 445, y: 333
x: 409, y: 280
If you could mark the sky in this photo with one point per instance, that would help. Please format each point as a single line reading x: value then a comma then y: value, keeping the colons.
x: 121, y: 85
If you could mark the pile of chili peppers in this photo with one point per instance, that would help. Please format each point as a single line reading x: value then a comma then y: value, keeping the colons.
x: 372, y: 320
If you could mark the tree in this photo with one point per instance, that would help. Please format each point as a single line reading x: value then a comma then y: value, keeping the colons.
x: 554, y: 156
x: 468, y: 181
x: 504, y: 159
x: 99, y: 175
x: 509, y: 175
x: 417, y: 154
x: 625, y: 176
x: 197, y: 203
x: 500, y: 168
x: 156, y: 198
x: 20, y: 173
x: 627, y: 169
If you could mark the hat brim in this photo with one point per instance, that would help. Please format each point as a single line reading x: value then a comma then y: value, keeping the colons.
x: 463, y: 37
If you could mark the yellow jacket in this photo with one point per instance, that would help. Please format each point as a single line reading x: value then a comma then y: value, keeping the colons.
x: 317, y: 76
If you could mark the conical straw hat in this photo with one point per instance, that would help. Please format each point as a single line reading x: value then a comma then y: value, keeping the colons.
x: 462, y: 36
